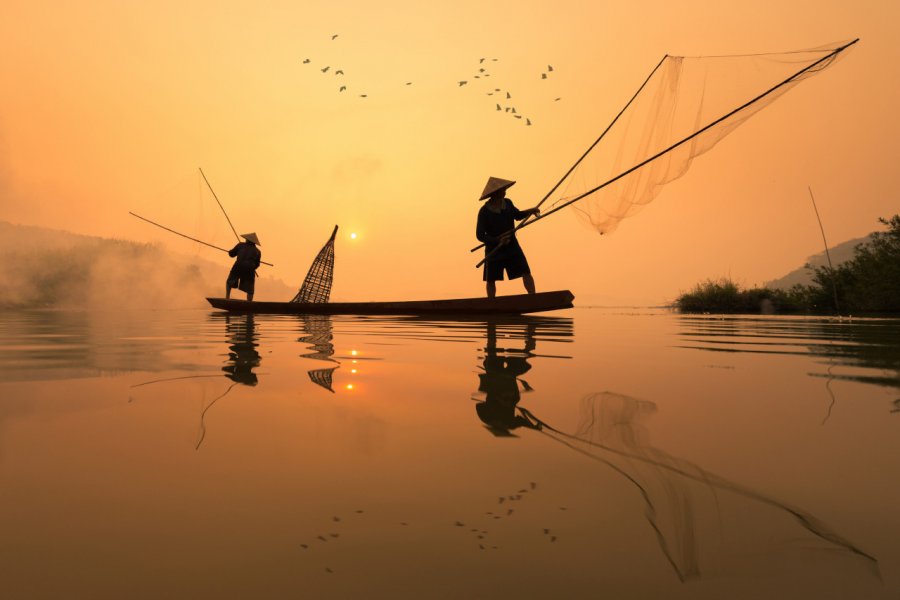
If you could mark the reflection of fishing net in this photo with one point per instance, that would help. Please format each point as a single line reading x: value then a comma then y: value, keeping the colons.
x: 684, y: 95
x: 702, y: 522
x: 317, y: 284
x: 318, y: 329
x: 319, y: 334
x: 322, y: 377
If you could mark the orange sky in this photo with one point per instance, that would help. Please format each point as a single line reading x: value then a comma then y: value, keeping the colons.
x: 109, y: 107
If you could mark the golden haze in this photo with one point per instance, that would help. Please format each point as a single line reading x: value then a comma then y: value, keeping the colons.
x: 109, y: 107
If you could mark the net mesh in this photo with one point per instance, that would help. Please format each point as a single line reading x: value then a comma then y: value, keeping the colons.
x: 316, y: 286
x: 688, y: 105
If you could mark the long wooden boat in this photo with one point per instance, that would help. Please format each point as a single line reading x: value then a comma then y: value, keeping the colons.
x: 517, y: 304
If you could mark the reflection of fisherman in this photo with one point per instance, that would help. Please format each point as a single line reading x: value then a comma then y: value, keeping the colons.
x: 495, y: 229
x: 243, y: 272
x: 500, y: 384
x: 242, y: 355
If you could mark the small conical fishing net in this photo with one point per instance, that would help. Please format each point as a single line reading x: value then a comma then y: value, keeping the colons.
x: 686, y: 106
x: 316, y: 286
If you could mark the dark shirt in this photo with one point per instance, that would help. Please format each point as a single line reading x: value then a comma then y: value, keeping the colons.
x: 248, y: 256
x: 492, y: 225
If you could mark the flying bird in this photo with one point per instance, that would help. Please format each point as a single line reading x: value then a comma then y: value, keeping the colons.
x: 498, y: 108
x: 462, y: 83
x: 339, y: 72
x: 305, y: 61
x: 508, y: 96
x: 363, y: 95
x: 549, y: 68
x: 543, y: 76
x: 528, y: 122
x: 343, y: 87
x: 409, y: 83
x: 557, y: 99
x: 481, y: 60
x: 513, y: 110
x: 325, y: 70
x: 334, y: 37
x: 482, y: 70
x: 517, y: 116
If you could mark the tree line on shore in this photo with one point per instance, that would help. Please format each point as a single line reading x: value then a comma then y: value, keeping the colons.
x: 869, y: 283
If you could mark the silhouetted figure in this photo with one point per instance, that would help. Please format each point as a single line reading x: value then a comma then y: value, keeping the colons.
x: 243, y: 272
x: 242, y: 354
x: 496, y: 230
x: 500, y: 384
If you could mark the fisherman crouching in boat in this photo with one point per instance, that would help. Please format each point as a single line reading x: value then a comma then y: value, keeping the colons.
x: 496, y: 230
x: 243, y: 272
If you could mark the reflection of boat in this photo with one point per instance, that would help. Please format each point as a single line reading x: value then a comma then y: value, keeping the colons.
x: 517, y: 304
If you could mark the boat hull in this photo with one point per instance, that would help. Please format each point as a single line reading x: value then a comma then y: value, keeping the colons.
x: 514, y: 305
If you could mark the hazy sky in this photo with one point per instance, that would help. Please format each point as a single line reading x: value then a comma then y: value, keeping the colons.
x: 111, y: 106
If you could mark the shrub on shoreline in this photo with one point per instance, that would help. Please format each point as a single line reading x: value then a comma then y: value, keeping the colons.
x: 726, y: 296
x: 868, y: 283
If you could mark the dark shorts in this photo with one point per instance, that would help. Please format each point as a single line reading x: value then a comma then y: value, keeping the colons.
x: 513, y: 262
x: 242, y: 279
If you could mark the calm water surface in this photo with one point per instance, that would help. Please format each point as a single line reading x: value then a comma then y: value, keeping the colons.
x: 594, y: 453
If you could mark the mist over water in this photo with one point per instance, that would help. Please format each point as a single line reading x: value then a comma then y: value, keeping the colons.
x: 43, y: 268
x: 265, y: 456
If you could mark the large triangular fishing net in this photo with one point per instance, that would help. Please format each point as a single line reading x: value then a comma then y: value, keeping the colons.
x: 316, y: 286
x: 683, y: 109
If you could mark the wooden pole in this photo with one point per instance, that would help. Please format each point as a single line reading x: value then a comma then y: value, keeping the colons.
x: 685, y: 140
x: 187, y: 236
x: 220, y: 205
x: 591, y: 147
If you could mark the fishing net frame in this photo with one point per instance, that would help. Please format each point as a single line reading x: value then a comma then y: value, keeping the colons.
x: 316, y: 288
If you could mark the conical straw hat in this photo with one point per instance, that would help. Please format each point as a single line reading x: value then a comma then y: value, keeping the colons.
x: 251, y: 237
x: 495, y: 184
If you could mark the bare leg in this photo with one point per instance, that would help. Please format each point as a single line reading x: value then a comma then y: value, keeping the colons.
x: 250, y: 297
x: 528, y: 280
x: 491, y: 289
x: 227, y: 291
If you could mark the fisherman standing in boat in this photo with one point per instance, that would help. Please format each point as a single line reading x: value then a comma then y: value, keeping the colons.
x: 496, y: 230
x: 243, y: 272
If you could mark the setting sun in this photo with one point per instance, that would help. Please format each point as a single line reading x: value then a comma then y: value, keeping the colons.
x: 353, y: 236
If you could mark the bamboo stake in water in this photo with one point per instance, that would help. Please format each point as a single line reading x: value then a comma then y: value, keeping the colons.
x: 827, y: 253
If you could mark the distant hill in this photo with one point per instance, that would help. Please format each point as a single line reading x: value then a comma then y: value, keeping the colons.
x: 52, y: 268
x: 839, y: 254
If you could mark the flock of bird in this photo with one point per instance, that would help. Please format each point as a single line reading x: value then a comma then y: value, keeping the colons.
x: 507, y: 108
